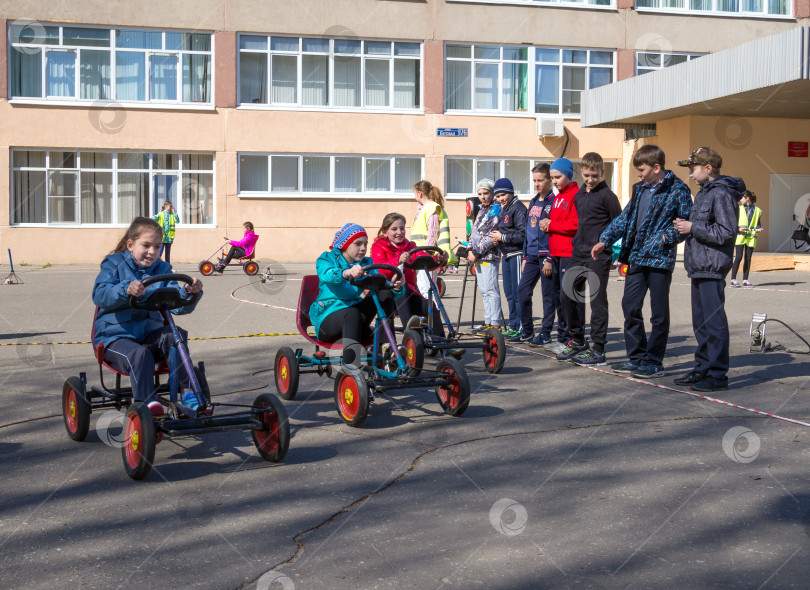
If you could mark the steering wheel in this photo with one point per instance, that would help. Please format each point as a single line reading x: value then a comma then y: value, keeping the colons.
x: 164, y: 297
x: 377, y: 281
x: 424, y: 262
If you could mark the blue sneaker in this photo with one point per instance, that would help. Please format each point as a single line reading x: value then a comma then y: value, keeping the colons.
x: 540, y: 340
x: 626, y: 367
x: 649, y: 372
x: 519, y: 338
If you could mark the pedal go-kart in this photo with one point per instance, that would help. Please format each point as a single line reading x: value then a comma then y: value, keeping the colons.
x: 248, y: 264
x: 492, y: 343
x: 355, y: 387
x: 266, y: 418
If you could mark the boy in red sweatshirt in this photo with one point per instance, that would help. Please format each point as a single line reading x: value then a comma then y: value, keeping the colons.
x: 561, y: 226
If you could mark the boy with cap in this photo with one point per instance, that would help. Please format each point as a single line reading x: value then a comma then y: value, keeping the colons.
x: 509, y: 236
x: 596, y: 207
x: 710, y: 232
x: 561, y: 226
x: 649, y: 246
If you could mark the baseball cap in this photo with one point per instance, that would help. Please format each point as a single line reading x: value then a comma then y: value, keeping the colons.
x: 704, y: 156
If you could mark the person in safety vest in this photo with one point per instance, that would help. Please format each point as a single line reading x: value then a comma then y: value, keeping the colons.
x: 749, y: 224
x: 431, y: 227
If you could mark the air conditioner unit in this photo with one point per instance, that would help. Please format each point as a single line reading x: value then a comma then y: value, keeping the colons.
x: 550, y: 127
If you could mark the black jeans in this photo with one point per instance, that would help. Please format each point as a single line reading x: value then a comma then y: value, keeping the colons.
x: 236, y: 251
x: 596, y: 275
x: 412, y: 303
x: 528, y: 281
x: 640, y: 280
x: 352, y: 325
x: 740, y: 251
x: 167, y: 252
x: 711, y: 327
x: 559, y: 264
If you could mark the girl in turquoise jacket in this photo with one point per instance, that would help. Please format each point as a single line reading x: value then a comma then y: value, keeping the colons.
x: 341, y: 312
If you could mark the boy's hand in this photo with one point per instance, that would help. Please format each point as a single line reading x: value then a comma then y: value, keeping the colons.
x: 522, y: 267
x: 682, y: 226
x: 397, y: 284
x: 355, y: 272
x: 194, y: 287
x: 404, y: 257
x: 597, y: 250
x: 470, y: 257
x: 443, y: 258
x: 135, y: 288
x: 542, y: 225
x: 547, y: 270
x: 496, y: 236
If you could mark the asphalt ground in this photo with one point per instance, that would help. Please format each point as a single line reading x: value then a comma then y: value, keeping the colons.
x: 557, y: 476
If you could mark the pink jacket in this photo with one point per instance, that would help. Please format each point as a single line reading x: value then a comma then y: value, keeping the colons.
x: 248, y: 242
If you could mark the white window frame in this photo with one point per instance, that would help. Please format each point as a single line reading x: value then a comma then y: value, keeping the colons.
x: 64, y: 45
x: 532, y: 64
x: 585, y: 4
x: 662, y: 55
x: 456, y: 196
x: 715, y: 11
x: 152, y: 170
x: 363, y: 194
x: 362, y: 55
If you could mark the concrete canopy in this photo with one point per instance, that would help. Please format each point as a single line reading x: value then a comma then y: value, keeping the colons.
x: 767, y: 77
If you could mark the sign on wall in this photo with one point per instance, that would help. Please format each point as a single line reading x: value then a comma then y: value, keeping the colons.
x: 452, y: 132
x: 797, y: 149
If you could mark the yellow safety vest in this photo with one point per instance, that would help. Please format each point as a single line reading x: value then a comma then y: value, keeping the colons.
x: 419, y: 229
x: 748, y: 239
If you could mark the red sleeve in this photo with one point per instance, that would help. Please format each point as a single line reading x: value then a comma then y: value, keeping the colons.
x: 565, y: 222
x: 381, y: 255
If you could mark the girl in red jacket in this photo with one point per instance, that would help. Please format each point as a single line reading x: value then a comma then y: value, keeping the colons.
x: 392, y: 247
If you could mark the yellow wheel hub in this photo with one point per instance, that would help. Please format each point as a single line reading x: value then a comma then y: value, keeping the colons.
x: 283, y: 372
x: 410, y: 354
x: 134, y: 441
x: 348, y: 396
x: 72, y: 408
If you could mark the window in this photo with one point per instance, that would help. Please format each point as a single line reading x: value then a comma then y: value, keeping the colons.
x: 531, y: 80
x: 86, y: 63
x: 86, y: 188
x: 571, y: 3
x: 307, y: 72
x: 318, y: 175
x: 766, y: 8
x: 462, y: 174
x: 649, y: 61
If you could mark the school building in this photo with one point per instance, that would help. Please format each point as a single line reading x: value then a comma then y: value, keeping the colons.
x: 302, y: 116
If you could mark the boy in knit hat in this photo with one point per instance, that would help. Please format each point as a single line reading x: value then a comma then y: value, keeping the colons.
x: 509, y: 237
x: 596, y: 207
x: 561, y: 226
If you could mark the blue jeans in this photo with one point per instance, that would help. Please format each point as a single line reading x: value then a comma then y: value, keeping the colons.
x: 510, y: 267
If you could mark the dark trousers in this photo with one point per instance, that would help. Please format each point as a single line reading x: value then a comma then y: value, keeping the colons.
x: 351, y: 324
x: 595, y: 274
x: 167, y: 252
x: 138, y: 361
x: 510, y: 271
x: 640, y: 280
x: 235, y: 251
x: 528, y: 281
x: 559, y: 264
x: 412, y: 303
x: 742, y: 251
x: 711, y: 327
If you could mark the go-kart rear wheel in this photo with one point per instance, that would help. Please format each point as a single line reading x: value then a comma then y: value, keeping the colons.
x: 414, y: 350
x: 75, y: 409
x: 495, y: 352
x: 286, y: 372
x: 351, y: 396
x: 623, y: 268
x: 206, y: 268
x: 139, y: 440
x: 455, y: 396
x: 441, y: 286
x: 251, y: 268
x: 273, y: 439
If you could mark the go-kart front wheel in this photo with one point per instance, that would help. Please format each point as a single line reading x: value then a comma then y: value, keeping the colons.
x: 441, y: 286
x: 206, y: 268
x: 286, y: 372
x: 623, y: 268
x: 139, y: 442
x: 251, y: 268
x: 75, y: 409
x: 273, y: 439
x: 454, y: 397
x: 351, y: 396
x: 495, y: 351
x: 414, y: 350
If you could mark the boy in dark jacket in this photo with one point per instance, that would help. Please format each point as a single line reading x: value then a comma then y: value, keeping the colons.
x: 649, y: 246
x: 596, y: 207
x: 509, y: 238
x: 710, y: 233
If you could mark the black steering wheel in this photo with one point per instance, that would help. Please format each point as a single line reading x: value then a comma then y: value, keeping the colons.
x: 424, y: 262
x: 377, y: 281
x: 164, y: 297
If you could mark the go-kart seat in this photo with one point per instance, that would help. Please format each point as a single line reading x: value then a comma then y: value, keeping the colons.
x: 161, y: 367
x: 307, y: 296
x: 245, y: 258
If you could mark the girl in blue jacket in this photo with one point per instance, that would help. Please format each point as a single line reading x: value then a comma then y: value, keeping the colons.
x: 341, y: 311
x: 135, y: 339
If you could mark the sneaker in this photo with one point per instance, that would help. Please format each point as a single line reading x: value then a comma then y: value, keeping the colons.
x: 554, y: 347
x: 690, y: 378
x: 456, y: 353
x: 649, y: 372
x: 158, y: 411
x: 710, y: 384
x: 509, y: 332
x: 571, y: 349
x: 482, y: 329
x: 733, y: 283
x: 625, y: 368
x: 747, y: 284
x: 589, y: 358
x: 540, y: 340
x: 452, y: 270
x: 520, y: 337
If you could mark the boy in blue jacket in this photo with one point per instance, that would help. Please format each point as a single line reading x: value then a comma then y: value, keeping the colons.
x: 649, y: 246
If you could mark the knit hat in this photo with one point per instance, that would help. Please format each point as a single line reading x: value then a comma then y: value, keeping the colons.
x: 504, y: 185
x: 565, y: 166
x: 347, y: 234
x: 484, y: 183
